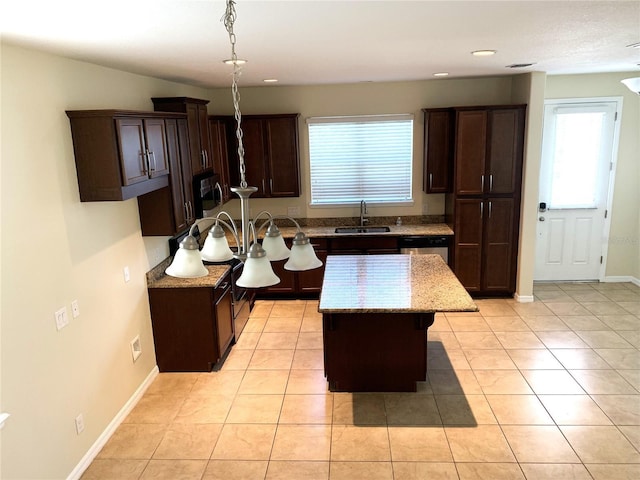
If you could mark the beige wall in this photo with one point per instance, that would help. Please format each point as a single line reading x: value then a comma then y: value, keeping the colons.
x: 623, y: 257
x: 529, y: 89
x: 56, y: 249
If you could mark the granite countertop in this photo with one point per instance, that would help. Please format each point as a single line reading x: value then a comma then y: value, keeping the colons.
x: 156, y: 278
x: 391, y: 284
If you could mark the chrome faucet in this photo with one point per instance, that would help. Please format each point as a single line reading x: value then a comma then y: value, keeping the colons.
x: 363, y: 213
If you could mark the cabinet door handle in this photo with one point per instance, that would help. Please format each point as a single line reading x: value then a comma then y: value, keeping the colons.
x: 481, y: 209
x: 491, y: 183
x: 206, y: 158
x: 202, y: 159
x: 145, y: 161
x: 482, y: 182
x: 489, y: 209
x: 263, y: 189
x: 430, y: 181
x: 153, y: 155
x: 271, y: 185
x: 192, y: 216
x: 186, y: 211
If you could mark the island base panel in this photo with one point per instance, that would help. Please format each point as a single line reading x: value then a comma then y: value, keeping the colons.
x: 375, y: 352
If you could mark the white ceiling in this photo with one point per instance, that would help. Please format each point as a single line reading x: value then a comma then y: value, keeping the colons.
x: 319, y: 41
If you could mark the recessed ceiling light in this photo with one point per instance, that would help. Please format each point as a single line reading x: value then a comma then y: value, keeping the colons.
x: 231, y: 61
x: 634, y: 45
x: 483, y: 53
x: 520, y: 65
x: 441, y: 74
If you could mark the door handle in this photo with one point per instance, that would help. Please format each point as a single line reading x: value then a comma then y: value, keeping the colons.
x: 541, y: 218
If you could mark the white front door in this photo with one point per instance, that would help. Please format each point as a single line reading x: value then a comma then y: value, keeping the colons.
x: 578, y: 145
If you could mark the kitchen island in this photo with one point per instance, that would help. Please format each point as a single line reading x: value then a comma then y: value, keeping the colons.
x: 376, y: 311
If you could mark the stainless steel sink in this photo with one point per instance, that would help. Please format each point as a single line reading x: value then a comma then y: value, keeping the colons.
x: 372, y: 229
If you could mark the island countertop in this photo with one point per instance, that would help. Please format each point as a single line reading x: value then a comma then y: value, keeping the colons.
x: 391, y: 284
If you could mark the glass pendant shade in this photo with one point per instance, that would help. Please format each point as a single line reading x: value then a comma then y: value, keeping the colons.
x: 274, y: 245
x: 632, y: 84
x: 216, y: 248
x: 302, y: 257
x: 187, y: 262
x: 257, y: 271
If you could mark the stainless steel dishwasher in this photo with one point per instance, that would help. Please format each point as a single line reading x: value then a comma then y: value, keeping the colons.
x: 425, y: 245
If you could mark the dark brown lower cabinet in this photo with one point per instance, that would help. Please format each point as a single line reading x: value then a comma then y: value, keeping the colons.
x: 364, y: 245
x: 499, y: 246
x: 287, y: 279
x: 192, y: 327
x: 375, y: 352
x: 468, y: 243
x: 486, y: 244
x: 308, y: 282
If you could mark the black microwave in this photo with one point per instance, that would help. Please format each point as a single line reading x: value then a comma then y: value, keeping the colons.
x: 206, y: 195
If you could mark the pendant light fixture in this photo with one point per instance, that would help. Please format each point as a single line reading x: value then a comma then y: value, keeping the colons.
x: 632, y: 84
x: 257, y: 271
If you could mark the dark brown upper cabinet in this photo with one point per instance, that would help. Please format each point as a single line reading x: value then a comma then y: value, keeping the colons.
x: 488, y: 150
x: 439, y: 132
x: 197, y: 119
x: 220, y: 127
x: 271, y: 155
x: 119, y: 154
x: 170, y: 210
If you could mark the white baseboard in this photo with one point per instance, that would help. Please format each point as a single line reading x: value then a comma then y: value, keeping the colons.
x: 523, y: 298
x: 113, y: 425
x: 623, y: 279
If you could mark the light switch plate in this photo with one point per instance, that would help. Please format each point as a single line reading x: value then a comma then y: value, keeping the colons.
x: 62, y: 319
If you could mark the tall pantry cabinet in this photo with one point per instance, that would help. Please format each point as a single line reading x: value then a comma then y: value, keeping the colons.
x: 484, y: 205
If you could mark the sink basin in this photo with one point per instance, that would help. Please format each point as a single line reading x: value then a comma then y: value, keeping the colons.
x: 372, y: 229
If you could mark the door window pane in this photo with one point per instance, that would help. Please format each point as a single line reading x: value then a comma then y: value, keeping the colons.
x: 575, y: 165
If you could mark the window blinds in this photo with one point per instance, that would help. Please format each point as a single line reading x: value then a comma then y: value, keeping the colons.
x: 361, y: 158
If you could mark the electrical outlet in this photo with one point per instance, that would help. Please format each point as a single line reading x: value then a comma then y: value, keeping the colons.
x: 75, y: 309
x: 79, y: 424
x: 62, y: 320
x: 136, y: 348
x: 293, y: 211
x: 127, y: 274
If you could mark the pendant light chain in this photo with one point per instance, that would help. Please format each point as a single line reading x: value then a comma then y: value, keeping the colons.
x: 229, y: 20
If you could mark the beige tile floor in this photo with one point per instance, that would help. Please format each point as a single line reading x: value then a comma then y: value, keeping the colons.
x: 544, y: 390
